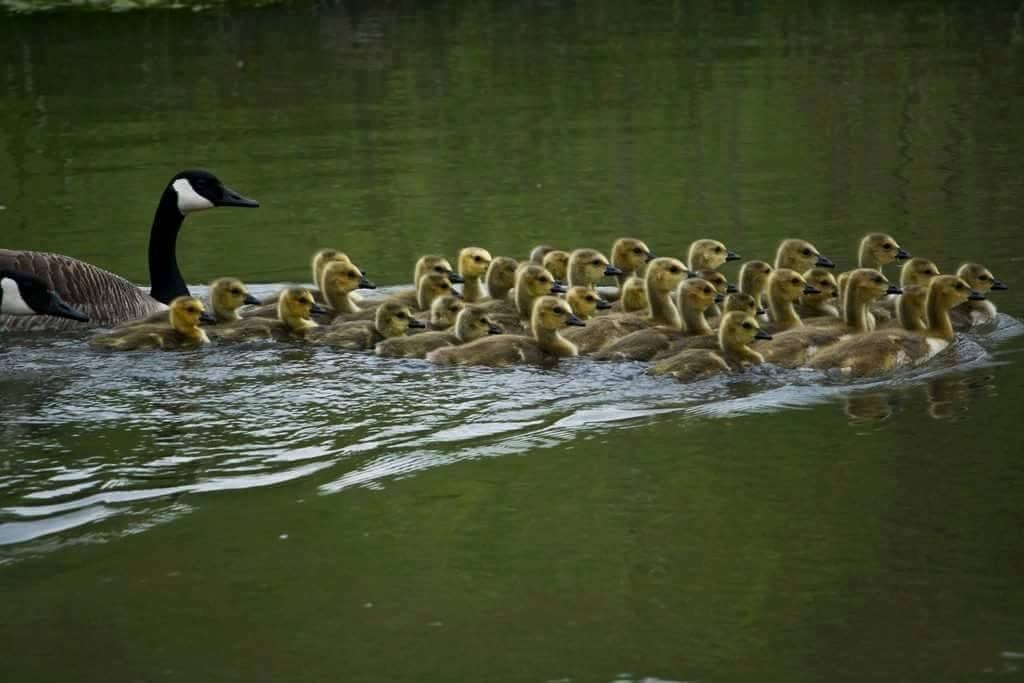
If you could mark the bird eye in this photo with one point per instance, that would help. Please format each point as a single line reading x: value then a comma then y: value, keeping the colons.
x: 707, y: 290
x: 718, y: 250
x: 983, y: 278
x: 544, y: 280
x: 674, y: 269
x: 637, y: 250
x: 401, y: 316
x: 929, y: 272
x: 478, y: 258
x: 959, y: 285
x: 794, y: 281
x: 559, y: 311
x: 887, y: 246
x: 596, y: 262
x: 445, y: 285
x: 747, y: 326
x: 878, y: 280
x: 807, y: 252
x: 236, y: 291
x: 439, y: 269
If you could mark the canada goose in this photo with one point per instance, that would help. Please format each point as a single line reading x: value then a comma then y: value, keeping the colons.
x: 795, y: 346
x: 108, y: 299
x: 588, y: 266
x: 430, y: 286
x: 632, y: 296
x: 473, y: 265
x: 753, y: 279
x: 721, y: 285
x: 321, y: 259
x: 820, y: 304
x: 878, y: 249
x: 737, y: 331
x: 501, y: 277
x: 694, y: 297
x: 471, y: 324
x: 744, y: 303
x: 706, y: 254
x: 425, y: 265
x: 885, y: 350
x: 908, y: 309
x: 585, y: 302
x: 629, y: 255
x: 785, y: 287
x: 538, y: 253
x: 443, y: 312
x: 800, y: 255
x: 339, y: 278
x: 227, y: 295
x: 532, y: 282
x: 295, y: 309
x: 22, y: 294
x: 974, y: 312
x: 557, y: 263
x: 180, y: 331
x: 663, y: 275
x: 391, y: 319
x: 544, y: 346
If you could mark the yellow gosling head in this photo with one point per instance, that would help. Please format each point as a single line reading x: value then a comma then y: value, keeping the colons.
x: 947, y: 291
x: 295, y: 307
x: 474, y: 323
x: 552, y: 314
x: 557, y: 263
x: 787, y: 286
x: 716, y: 279
x: 393, y: 319
x: 501, y: 276
x: 324, y: 256
x: 708, y: 254
x: 432, y: 263
x: 431, y: 286
x: 696, y: 294
x: 185, y: 313
x: 868, y: 284
x: 800, y: 255
x: 227, y: 295
x: 536, y: 281
x: 878, y: 249
x: 342, y: 278
x: 824, y: 281
x: 664, y: 274
x: 739, y: 329
x: 754, y: 276
x: 588, y: 266
x: 585, y: 302
x: 918, y: 271
x: 444, y: 310
x: 634, y: 295
x: 980, y: 278
x: 630, y: 255
x: 743, y: 303
x: 538, y: 253
x: 474, y: 262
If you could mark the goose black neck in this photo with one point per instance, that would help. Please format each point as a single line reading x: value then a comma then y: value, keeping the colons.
x: 165, y: 279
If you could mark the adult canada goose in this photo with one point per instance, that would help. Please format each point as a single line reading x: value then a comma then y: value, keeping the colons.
x: 181, y: 330
x: 22, y: 294
x: 109, y: 299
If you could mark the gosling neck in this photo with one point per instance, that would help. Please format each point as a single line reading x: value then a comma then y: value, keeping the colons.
x: 340, y: 301
x: 735, y: 352
x: 855, y: 310
x: 819, y: 304
x: 472, y: 289
x: 694, y: 320
x: 782, y: 312
x: 865, y: 259
x: 910, y: 311
x: 524, y: 301
x: 939, y: 324
x: 224, y: 313
x: 550, y: 341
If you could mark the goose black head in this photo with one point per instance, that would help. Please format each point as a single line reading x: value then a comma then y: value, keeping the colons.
x: 198, y: 190
x: 24, y: 294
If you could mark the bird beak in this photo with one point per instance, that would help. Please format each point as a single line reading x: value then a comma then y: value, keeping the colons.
x: 761, y: 334
x: 60, y: 309
x: 999, y: 286
x: 894, y: 289
x: 603, y: 305
x: 457, y: 294
x: 612, y: 270
x: 648, y: 257
x: 719, y: 298
x: 975, y: 295
x: 232, y: 198
x: 690, y: 274
x: 558, y: 288
x: 730, y: 288
x: 574, y: 320
x: 824, y: 262
x: 455, y: 278
x: 251, y: 300
x: 902, y: 254
x: 416, y: 324
x: 318, y: 309
x: 811, y: 289
x: 493, y: 328
x: 732, y: 256
x: 207, y: 317
x: 365, y: 284
x: 761, y: 311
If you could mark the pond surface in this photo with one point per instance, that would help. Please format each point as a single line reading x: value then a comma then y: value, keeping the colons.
x: 277, y: 513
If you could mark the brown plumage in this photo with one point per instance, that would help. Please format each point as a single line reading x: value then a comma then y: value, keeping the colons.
x: 971, y: 313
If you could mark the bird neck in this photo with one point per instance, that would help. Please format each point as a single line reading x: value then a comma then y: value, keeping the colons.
x: 855, y: 310
x: 340, y: 301
x: 550, y: 341
x: 782, y: 312
x: 694, y: 320
x: 472, y: 290
x: 939, y: 324
x: 224, y: 313
x: 165, y: 279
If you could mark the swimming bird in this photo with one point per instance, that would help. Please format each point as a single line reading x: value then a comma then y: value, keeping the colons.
x: 443, y: 312
x: 976, y: 312
x: 181, y: 330
x: 391, y: 319
x: 294, y: 321
x: 821, y: 304
x: 471, y: 324
x: 538, y: 253
x: 588, y: 266
x: 557, y: 263
x: 22, y: 294
x: 108, y: 299
x: 544, y: 346
x: 785, y: 287
x: 735, y: 335
x: 800, y: 255
x: 501, y: 277
x: 630, y: 256
x: 875, y: 250
x: 632, y: 296
x: 708, y: 254
x: 473, y: 265
x: 532, y: 282
x: 585, y: 302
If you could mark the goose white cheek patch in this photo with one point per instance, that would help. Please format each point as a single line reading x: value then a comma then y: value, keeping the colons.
x: 188, y: 199
x: 12, y: 302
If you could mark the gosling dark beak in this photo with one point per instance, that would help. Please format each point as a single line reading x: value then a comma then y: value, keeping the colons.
x: 232, y: 198
x: 761, y: 334
x: 366, y: 284
x: 648, y: 257
x: 730, y: 288
x: 558, y: 288
x: 208, y: 318
x: 999, y: 286
x: 573, y: 320
x: 251, y: 300
x: 761, y: 311
x: 455, y: 278
x: 732, y: 256
x: 603, y: 305
x: 975, y: 295
x: 318, y: 309
x: 416, y: 324
x: 612, y: 270
x: 494, y: 329
x: 894, y: 289
x: 690, y: 274
x: 457, y: 294
x: 902, y: 254
x: 719, y: 298
x: 59, y: 308
x: 811, y: 289
x: 824, y: 262
x: 560, y: 282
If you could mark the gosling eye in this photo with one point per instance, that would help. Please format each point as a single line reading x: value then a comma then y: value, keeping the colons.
x: 559, y: 311
x: 718, y: 250
x: 236, y: 292
x: 543, y: 280
x: 878, y: 280
x: 929, y: 272
x: 806, y: 252
x: 983, y: 278
x: 707, y: 290
x: 637, y: 250
x: 439, y: 269
x: 794, y: 281
x: 401, y: 316
x: 675, y: 270
x: 959, y: 285
x: 596, y: 262
x: 747, y: 326
x: 478, y: 258
x: 887, y: 246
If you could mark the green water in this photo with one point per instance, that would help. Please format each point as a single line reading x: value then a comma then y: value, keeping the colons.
x: 270, y: 513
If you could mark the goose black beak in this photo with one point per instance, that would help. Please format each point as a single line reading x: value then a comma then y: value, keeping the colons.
x: 999, y: 286
x: 761, y: 334
x: 730, y: 288
x: 208, y: 318
x: 648, y: 257
x: 558, y: 288
x: 612, y: 270
x: 455, y: 278
x: 732, y: 256
x: 318, y: 309
x: 811, y: 289
x: 493, y: 328
x: 975, y: 295
x: 719, y: 298
x: 366, y: 284
x: 60, y: 309
x: 574, y: 320
x: 894, y: 289
x: 416, y: 324
x: 251, y: 300
x: 902, y: 254
x: 603, y: 305
x: 232, y: 198
x: 761, y: 311
x: 824, y: 262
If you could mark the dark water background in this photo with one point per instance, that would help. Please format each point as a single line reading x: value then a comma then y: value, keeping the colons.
x: 271, y: 513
